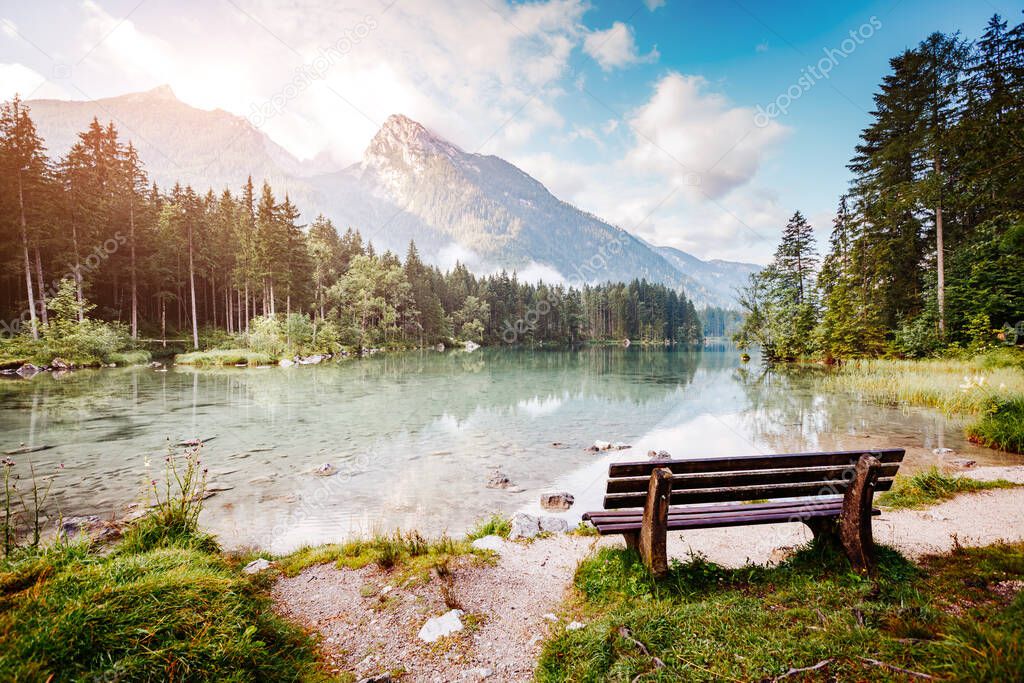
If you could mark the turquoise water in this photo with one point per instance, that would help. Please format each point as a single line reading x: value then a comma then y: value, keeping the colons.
x: 416, y: 436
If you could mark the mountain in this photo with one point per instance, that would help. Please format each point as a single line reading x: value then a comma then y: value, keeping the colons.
x: 409, y: 184
x: 178, y: 142
x: 714, y: 282
x: 498, y: 215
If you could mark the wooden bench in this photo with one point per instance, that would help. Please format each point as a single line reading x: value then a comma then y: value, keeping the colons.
x: 829, y: 492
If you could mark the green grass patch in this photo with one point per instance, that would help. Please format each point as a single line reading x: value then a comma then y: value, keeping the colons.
x: 223, y: 357
x: 933, y: 486
x: 174, y: 613
x: 126, y: 358
x: 1002, y: 427
x: 495, y: 525
x: 408, y: 552
x: 956, y: 617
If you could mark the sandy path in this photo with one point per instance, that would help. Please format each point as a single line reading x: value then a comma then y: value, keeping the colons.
x: 372, y: 629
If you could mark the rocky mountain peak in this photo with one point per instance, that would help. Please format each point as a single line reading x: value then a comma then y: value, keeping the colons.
x: 404, y: 142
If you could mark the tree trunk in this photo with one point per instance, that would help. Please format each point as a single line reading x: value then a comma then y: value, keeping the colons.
x: 192, y: 285
x: 135, y: 289
x: 939, y: 255
x: 78, y: 271
x: 42, y: 290
x: 28, y: 263
x: 246, y: 307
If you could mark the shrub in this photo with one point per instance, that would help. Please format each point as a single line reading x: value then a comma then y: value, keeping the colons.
x: 496, y: 525
x: 174, y: 520
x: 1002, y: 427
x: 918, y: 337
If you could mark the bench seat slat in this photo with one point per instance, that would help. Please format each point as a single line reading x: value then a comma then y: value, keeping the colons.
x: 796, y: 490
x: 750, y: 462
x: 697, y: 509
x: 611, y: 517
x: 716, y: 480
x: 718, y: 521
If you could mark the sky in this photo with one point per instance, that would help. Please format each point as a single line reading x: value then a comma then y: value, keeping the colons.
x: 701, y: 126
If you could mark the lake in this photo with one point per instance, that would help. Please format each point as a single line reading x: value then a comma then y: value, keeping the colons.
x: 416, y: 436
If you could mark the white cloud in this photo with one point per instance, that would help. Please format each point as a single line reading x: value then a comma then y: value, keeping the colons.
x: 697, y: 139
x: 615, y: 47
x: 18, y: 79
x: 610, y: 126
x: 654, y: 4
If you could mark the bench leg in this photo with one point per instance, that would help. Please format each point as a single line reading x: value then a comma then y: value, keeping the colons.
x: 632, y: 540
x: 825, y: 528
x: 855, y: 519
x: 654, y: 528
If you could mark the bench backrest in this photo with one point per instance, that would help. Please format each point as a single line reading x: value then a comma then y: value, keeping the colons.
x: 745, y: 478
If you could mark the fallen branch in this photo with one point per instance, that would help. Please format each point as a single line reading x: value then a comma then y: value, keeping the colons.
x: 628, y: 635
x: 893, y: 667
x: 792, y: 672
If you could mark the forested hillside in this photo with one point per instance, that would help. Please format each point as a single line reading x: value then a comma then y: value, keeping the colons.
x: 181, y: 262
x: 927, y: 247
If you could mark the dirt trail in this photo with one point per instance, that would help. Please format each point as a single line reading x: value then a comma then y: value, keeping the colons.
x: 370, y: 626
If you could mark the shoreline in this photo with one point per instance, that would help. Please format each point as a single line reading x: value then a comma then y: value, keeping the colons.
x: 519, y: 601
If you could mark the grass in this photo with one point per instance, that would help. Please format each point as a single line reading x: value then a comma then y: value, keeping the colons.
x: 1002, y: 427
x: 409, y: 552
x: 933, y: 486
x: 990, y: 385
x: 173, y: 613
x: 163, y: 604
x: 954, y: 617
x: 495, y: 525
x: 223, y: 357
x: 124, y: 358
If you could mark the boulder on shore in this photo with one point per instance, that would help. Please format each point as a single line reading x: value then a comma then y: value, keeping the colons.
x: 27, y: 370
x: 529, y: 526
x: 59, y: 364
x: 560, y: 500
x: 659, y: 455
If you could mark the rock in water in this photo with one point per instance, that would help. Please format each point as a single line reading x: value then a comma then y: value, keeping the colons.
x: 943, y: 451
x: 325, y: 470
x: 257, y: 566
x: 472, y: 346
x: 963, y: 463
x: 71, y: 527
x: 286, y: 362
x: 524, y: 526
x: 28, y: 370
x: 60, y: 364
x: 659, y: 455
x: 499, y: 480
x: 557, y: 501
x: 439, y: 627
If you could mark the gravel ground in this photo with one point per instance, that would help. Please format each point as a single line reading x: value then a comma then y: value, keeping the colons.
x: 369, y: 626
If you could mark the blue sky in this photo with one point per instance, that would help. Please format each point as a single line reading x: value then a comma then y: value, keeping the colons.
x: 643, y: 112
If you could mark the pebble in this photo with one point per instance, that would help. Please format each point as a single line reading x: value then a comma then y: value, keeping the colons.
x: 257, y: 566
x: 439, y: 627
